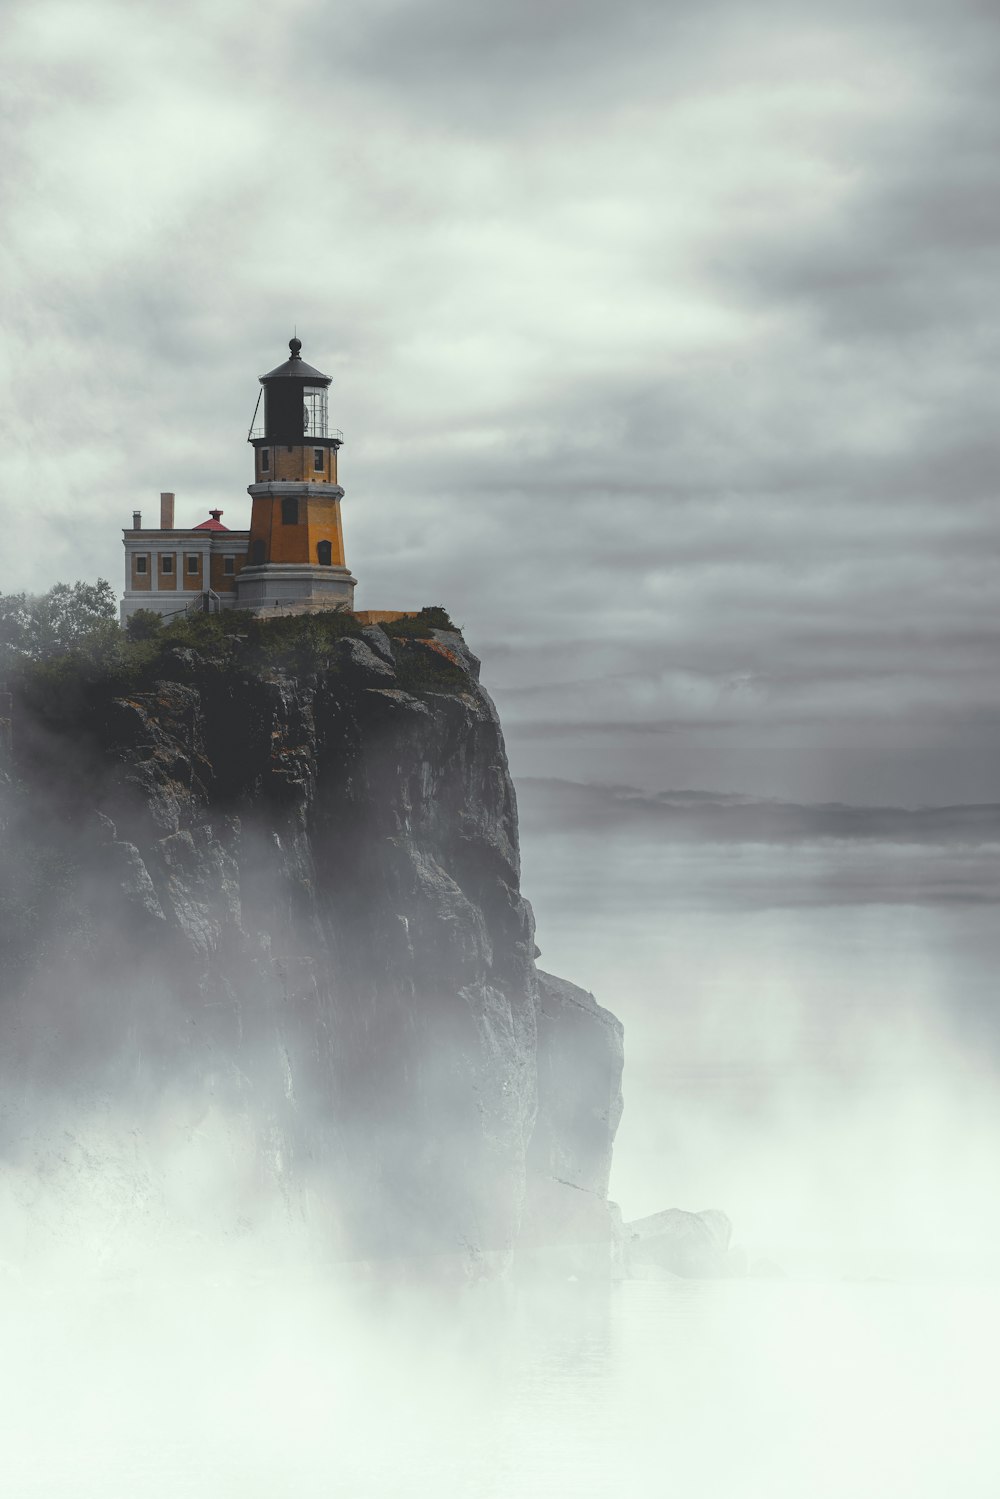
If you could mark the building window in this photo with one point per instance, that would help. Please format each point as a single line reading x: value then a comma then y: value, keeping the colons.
x: 142, y: 564
x: 192, y: 565
x: 318, y: 459
x: 265, y: 459
x: 324, y: 553
x: 290, y: 510
x: 257, y: 554
x: 229, y: 566
x: 167, y: 562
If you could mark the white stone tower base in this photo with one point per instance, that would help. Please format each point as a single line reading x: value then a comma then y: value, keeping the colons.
x: 294, y: 588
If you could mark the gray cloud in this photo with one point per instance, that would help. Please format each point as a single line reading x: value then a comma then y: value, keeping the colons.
x: 662, y: 337
x: 718, y: 817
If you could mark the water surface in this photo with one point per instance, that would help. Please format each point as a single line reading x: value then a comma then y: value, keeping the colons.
x: 757, y: 1389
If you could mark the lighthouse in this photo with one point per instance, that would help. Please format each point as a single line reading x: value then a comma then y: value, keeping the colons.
x: 295, y: 557
x: 291, y: 560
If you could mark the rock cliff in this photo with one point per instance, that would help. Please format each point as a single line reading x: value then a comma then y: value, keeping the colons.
x: 289, y: 889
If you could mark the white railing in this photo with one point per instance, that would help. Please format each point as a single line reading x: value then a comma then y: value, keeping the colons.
x: 257, y: 431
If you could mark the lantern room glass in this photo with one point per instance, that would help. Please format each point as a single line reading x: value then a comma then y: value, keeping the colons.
x: 314, y: 411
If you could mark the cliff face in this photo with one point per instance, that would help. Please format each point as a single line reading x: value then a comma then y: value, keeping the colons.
x: 295, y: 893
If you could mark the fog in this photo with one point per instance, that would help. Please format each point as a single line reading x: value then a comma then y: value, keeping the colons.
x: 811, y: 1025
x: 218, y: 1383
x: 811, y: 1046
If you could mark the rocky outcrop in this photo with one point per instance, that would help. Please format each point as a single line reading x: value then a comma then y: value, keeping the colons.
x: 294, y: 893
x: 696, y: 1246
x: 580, y: 1056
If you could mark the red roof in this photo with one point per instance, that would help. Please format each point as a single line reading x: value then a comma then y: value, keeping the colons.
x: 214, y: 524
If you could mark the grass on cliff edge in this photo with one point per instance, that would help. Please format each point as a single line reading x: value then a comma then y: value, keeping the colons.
x: 112, y: 660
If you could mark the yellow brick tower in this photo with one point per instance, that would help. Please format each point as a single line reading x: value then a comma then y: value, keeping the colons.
x: 295, y: 558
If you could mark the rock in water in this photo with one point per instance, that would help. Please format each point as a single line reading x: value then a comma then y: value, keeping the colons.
x: 290, y: 888
x: 693, y: 1245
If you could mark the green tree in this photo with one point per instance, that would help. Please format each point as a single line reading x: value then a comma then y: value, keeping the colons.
x: 15, y: 627
x: 34, y: 626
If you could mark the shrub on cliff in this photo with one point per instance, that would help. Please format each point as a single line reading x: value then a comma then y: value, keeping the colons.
x: 66, y: 654
x: 144, y: 624
x: 420, y: 625
x: 235, y: 637
x: 420, y: 668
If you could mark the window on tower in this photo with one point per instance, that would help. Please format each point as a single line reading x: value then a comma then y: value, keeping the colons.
x: 265, y: 459
x: 318, y: 459
x: 142, y: 564
x: 324, y: 553
x: 290, y: 510
x: 257, y: 554
x: 314, y: 411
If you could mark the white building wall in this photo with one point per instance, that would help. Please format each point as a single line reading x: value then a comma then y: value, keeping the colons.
x: 171, y: 602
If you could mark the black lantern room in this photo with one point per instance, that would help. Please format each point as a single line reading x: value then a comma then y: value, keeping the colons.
x: 295, y: 404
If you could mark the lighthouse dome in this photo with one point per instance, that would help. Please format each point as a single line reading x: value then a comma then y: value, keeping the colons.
x: 295, y: 368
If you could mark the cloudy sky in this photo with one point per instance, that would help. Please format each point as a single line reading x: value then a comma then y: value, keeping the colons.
x: 663, y: 335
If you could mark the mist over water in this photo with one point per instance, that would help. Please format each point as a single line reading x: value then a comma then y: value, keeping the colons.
x: 811, y: 1046
x: 220, y: 1385
x: 812, y: 1034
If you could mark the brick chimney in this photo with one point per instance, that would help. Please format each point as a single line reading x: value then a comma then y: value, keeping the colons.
x: 166, y: 512
x: 136, y: 520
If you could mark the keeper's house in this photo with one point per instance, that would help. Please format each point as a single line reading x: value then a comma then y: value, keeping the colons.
x: 171, y: 570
